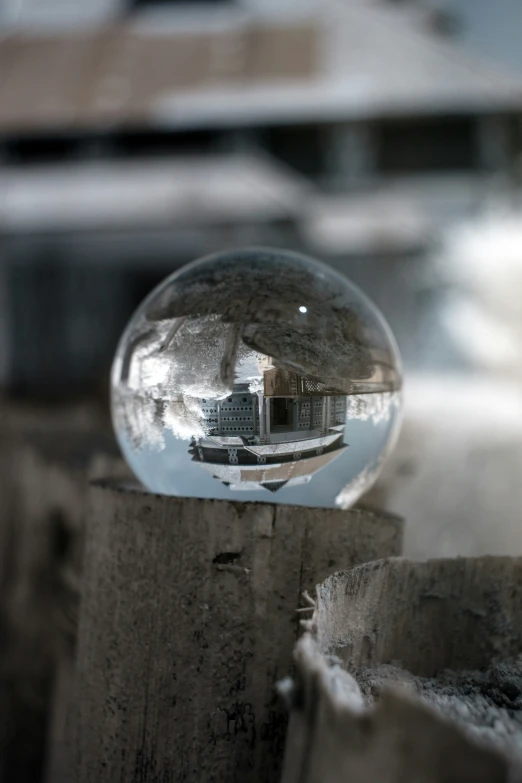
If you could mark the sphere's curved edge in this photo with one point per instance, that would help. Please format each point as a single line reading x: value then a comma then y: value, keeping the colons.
x: 236, y: 384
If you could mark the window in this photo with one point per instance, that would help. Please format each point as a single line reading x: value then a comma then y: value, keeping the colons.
x: 432, y: 145
x: 299, y: 146
x: 43, y: 148
x: 281, y: 413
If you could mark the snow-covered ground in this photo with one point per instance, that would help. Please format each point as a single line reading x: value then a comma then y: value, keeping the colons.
x: 456, y: 474
x: 481, y: 261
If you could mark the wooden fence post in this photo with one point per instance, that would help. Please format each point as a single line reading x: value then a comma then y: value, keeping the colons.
x: 188, y: 619
x: 46, y: 456
x: 408, y: 671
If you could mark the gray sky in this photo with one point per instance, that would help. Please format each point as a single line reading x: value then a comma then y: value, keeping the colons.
x: 492, y: 26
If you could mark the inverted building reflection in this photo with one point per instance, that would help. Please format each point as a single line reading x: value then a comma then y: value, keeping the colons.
x: 280, y: 436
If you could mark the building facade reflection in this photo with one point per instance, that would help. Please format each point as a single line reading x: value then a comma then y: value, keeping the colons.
x: 280, y: 436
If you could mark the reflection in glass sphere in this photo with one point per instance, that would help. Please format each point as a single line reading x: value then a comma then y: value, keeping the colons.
x: 257, y: 374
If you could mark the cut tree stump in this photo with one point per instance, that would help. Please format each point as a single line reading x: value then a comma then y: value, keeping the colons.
x: 410, y: 672
x: 188, y: 619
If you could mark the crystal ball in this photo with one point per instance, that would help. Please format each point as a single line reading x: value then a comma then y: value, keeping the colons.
x: 257, y: 374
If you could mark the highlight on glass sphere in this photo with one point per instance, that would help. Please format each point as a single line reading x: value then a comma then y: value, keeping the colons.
x: 257, y: 374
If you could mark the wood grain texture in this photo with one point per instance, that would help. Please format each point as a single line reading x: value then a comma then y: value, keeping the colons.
x: 188, y: 619
x: 46, y: 456
x: 405, y: 622
x: 452, y: 613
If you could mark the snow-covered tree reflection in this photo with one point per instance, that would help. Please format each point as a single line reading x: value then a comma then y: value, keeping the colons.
x: 377, y: 407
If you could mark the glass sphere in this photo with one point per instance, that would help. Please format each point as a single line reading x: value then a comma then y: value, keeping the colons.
x: 257, y: 374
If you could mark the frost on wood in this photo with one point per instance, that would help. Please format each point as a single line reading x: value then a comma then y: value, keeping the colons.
x: 410, y: 671
x: 487, y: 704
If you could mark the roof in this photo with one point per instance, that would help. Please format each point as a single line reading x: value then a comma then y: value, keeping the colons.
x: 175, y: 192
x: 290, y: 447
x: 370, y: 222
x: 375, y: 62
x: 272, y: 486
x: 235, y: 474
x: 117, y: 75
x: 347, y: 61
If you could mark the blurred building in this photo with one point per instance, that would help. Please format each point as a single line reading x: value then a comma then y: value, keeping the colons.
x: 135, y: 136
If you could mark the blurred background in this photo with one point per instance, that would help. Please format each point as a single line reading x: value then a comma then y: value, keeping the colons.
x: 381, y: 136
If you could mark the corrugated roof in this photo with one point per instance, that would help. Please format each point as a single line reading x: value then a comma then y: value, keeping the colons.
x: 375, y: 62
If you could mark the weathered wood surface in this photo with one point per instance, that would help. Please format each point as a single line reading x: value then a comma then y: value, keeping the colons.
x: 450, y: 613
x: 188, y: 619
x: 46, y: 458
x: 380, y: 634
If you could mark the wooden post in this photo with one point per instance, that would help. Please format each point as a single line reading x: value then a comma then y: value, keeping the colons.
x: 46, y: 456
x: 188, y: 619
x: 384, y: 633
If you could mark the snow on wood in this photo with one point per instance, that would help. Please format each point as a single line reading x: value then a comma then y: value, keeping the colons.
x: 409, y: 671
